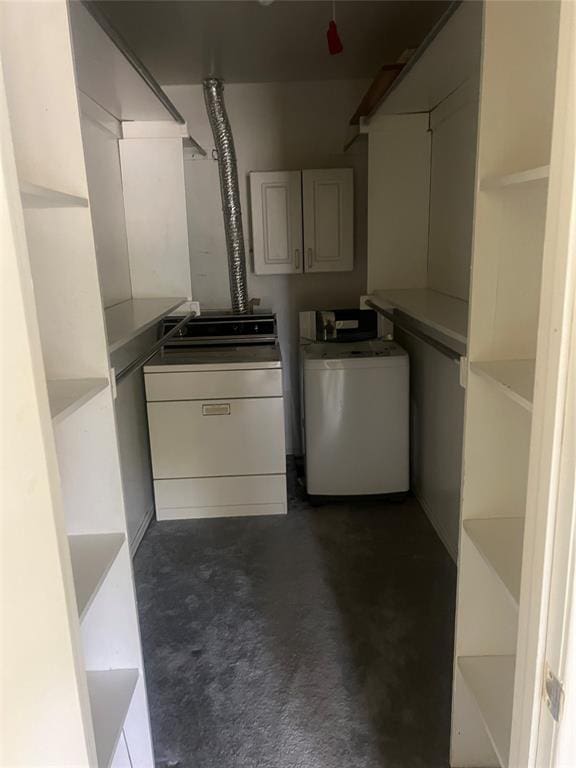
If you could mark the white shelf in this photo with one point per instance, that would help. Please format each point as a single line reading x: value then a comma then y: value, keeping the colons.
x: 34, y: 196
x: 67, y: 395
x: 110, y: 693
x: 128, y: 319
x: 490, y: 680
x: 92, y: 556
x: 443, y: 313
x: 500, y: 540
x: 514, y: 377
x: 527, y: 176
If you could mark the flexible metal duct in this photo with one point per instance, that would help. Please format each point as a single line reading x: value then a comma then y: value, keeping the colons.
x: 214, y: 98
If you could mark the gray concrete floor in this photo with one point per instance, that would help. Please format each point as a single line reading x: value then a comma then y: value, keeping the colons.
x: 322, y: 639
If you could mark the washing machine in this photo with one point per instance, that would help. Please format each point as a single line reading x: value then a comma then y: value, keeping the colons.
x: 355, y: 405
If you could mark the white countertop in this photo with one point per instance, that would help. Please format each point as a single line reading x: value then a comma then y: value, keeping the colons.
x: 128, y: 319
x: 437, y: 310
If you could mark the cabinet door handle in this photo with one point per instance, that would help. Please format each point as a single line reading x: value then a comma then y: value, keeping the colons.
x: 297, y: 258
x: 310, y: 254
x: 216, y: 409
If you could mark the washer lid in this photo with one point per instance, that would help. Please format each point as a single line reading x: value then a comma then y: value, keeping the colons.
x: 361, y: 354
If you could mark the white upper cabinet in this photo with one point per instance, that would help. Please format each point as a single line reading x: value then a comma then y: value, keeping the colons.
x: 328, y: 219
x: 302, y: 221
x: 277, y: 221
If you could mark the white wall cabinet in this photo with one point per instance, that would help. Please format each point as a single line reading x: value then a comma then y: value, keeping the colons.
x: 328, y: 206
x: 277, y: 221
x: 302, y: 221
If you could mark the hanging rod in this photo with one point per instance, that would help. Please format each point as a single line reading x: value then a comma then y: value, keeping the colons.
x: 143, y: 359
x: 131, y: 57
x: 427, y: 339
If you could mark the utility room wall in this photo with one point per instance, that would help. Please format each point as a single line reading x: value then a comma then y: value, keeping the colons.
x: 276, y: 126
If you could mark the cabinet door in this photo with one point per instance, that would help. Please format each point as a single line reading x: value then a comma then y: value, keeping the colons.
x: 277, y: 221
x: 328, y: 219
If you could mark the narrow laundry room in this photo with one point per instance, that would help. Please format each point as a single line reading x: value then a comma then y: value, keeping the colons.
x: 288, y: 431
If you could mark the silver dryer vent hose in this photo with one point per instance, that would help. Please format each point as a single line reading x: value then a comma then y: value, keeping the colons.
x: 228, y: 170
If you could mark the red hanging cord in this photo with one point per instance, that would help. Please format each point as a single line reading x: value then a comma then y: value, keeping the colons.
x: 334, y: 43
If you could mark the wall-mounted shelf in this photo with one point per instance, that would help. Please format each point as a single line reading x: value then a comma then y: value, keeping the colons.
x: 92, y: 556
x: 444, y: 314
x: 527, y: 176
x: 34, y: 196
x: 514, y: 377
x: 68, y: 395
x: 110, y: 696
x: 499, y: 540
x: 490, y: 680
x: 128, y: 319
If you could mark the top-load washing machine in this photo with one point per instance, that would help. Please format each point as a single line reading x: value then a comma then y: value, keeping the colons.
x: 355, y: 405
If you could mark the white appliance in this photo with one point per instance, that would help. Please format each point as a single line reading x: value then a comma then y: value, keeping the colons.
x: 216, y: 420
x: 355, y: 390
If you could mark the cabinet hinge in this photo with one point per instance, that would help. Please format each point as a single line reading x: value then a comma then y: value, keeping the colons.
x: 553, y: 693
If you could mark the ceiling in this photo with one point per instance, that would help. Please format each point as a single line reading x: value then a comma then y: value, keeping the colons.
x: 182, y: 41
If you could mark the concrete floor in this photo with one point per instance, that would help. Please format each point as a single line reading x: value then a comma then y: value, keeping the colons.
x: 322, y: 639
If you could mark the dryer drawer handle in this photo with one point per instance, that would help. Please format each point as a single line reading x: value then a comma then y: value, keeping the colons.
x: 216, y: 409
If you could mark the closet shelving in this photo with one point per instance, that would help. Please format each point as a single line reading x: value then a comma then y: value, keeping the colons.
x: 34, y: 196
x: 445, y: 314
x: 110, y: 696
x: 515, y: 128
x: 128, y: 319
x: 491, y: 682
x: 92, y: 556
x: 68, y: 395
x: 514, y: 377
x: 528, y: 176
x: 103, y: 690
x: 499, y: 541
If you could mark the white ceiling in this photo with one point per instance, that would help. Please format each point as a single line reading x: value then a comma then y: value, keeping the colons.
x: 182, y: 41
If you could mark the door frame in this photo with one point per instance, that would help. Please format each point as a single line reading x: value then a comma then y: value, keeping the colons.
x: 548, y: 603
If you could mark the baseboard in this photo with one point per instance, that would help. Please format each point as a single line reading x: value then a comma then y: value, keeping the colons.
x: 142, y: 528
x: 232, y: 510
x: 441, y: 533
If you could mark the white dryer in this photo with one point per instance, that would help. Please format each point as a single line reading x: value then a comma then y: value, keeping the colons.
x: 355, y: 410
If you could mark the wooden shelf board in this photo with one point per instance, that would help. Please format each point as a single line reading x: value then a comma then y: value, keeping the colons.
x: 68, y: 395
x: 92, y: 556
x: 443, y: 313
x: 490, y: 680
x: 514, y: 377
x: 126, y: 320
x: 34, y: 196
x: 527, y: 176
x: 110, y: 694
x: 500, y: 540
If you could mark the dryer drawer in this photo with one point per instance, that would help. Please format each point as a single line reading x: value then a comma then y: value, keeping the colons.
x: 192, y: 438
x: 203, y: 385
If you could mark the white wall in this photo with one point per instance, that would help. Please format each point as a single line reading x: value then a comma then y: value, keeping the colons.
x: 100, y: 133
x: 453, y: 125
x: 276, y: 126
